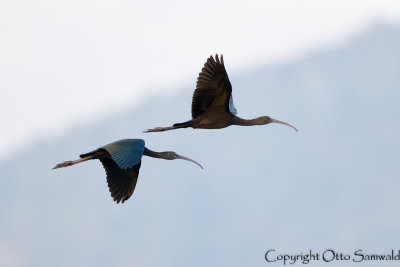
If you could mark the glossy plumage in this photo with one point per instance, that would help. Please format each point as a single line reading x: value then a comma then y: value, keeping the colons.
x: 121, y: 161
x: 212, y: 102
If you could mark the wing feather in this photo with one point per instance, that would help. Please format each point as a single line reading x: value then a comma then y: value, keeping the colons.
x: 121, y: 161
x: 213, y: 87
x: 126, y: 153
x: 121, y: 183
x: 122, y: 167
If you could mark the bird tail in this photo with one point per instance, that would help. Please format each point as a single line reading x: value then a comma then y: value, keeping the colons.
x: 83, y: 158
x: 173, y: 127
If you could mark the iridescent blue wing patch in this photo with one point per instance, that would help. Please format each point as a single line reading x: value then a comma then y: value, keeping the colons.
x: 232, y: 108
x: 126, y: 153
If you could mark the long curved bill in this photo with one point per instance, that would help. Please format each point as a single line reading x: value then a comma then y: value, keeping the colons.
x: 285, y: 123
x: 188, y: 159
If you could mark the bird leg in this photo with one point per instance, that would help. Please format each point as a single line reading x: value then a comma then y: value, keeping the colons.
x: 185, y: 124
x: 159, y: 129
x: 72, y: 162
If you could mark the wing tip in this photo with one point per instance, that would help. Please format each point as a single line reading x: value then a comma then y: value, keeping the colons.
x: 217, y: 59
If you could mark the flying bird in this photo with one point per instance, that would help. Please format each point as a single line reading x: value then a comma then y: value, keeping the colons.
x: 212, y: 103
x: 121, y: 161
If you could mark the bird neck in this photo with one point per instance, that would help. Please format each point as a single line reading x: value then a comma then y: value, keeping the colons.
x: 153, y: 154
x: 244, y: 122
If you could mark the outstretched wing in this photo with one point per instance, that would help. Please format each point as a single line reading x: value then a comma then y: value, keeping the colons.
x: 121, y: 183
x: 122, y: 167
x: 213, y: 88
x: 126, y: 153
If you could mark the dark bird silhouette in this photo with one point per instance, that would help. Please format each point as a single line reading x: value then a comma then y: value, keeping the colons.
x: 122, y: 160
x: 212, y: 103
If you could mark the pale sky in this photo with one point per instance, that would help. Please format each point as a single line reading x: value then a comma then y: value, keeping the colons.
x: 66, y: 62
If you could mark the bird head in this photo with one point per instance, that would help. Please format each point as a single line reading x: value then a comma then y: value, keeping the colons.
x: 171, y: 155
x: 266, y: 120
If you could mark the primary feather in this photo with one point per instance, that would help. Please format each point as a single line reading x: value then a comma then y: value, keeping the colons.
x: 213, y: 88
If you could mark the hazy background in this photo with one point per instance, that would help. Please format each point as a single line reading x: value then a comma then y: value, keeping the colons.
x: 77, y: 75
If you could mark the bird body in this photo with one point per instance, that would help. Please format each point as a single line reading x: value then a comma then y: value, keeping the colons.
x: 212, y: 102
x: 214, y: 118
x: 217, y: 120
x: 122, y: 160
